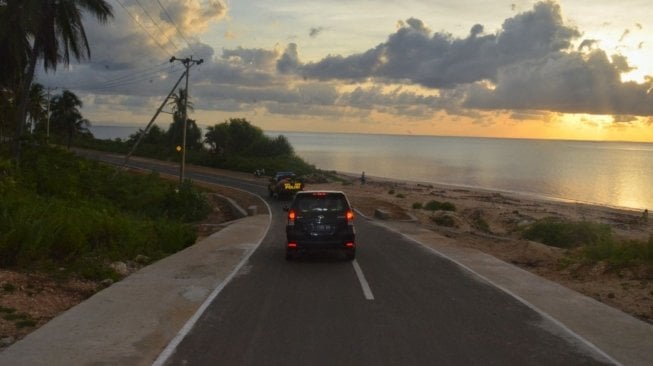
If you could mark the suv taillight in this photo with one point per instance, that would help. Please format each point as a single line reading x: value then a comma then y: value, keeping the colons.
x: 291, y: 217
x: 350, y: 217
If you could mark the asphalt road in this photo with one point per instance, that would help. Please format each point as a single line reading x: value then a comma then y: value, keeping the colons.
x: 397, y: 303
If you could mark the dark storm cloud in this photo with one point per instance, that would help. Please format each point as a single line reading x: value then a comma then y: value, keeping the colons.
x: 529, y: 64
x: 526, y: 66
x: 441, y: 61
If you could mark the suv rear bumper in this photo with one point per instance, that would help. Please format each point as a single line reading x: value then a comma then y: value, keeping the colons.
x: 318, y: 245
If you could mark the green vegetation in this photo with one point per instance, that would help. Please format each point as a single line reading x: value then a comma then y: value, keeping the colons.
x: 61, y: 211
x: 444, y: 220
x: 417, y: 205
x: 563, y: 234
x: 400, y: 195
x: 235, y: 144
x: 479, y: 223
x: 8, y: 287
x: 439, y: 206
x: 593, y: 242
x: 20, y: 320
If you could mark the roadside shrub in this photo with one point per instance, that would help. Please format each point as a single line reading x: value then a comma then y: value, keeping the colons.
x: 437, y: 206
x: 417, y: 205
x: 399, y: 195
x: 185, y: 203
x: 392, y: 191
x: 479, y: 223
x: 562, y: 234
x: 630, y: 251
x: 444, y: 220
x: 58, y: 210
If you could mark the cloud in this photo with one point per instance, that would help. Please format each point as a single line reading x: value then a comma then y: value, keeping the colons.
x: 529, y: 64
x: 314, y: 32
x: 565, y: 82
x: 193, y: 16
x: 413, y: 54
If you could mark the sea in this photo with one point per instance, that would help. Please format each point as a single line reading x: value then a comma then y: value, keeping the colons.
x: 614, y: 174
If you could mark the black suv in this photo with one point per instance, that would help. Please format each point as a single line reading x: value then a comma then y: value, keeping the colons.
x: 320, y: 220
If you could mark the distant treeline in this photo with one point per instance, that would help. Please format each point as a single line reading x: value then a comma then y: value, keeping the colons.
x: 235, y: 144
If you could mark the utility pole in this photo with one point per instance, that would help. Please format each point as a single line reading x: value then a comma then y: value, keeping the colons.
x: 147, y: 128
x: 188, y: 62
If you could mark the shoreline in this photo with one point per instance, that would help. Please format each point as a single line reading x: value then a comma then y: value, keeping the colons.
x: 523, y: 195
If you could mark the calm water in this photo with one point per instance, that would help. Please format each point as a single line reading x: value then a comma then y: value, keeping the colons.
x: 113, y: 132
x: 608, y: 173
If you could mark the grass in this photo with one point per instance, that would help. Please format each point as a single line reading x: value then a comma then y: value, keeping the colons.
x: 439, y: 206
x: 9, y: 287
x: 446, y: 221
x: 592, y: 242
x: 567, y: 234
x: 59, y: 210
x: 479, y: 223
x: 7, y: 310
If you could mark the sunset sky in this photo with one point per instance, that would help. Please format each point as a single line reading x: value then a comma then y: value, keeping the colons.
x: 560, y: 70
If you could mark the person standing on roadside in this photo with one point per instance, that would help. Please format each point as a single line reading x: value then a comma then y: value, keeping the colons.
x: 362, y: 178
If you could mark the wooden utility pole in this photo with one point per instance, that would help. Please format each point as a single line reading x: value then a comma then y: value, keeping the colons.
x: 188, y: 62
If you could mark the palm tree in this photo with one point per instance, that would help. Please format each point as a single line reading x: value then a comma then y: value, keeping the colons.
x: 7, y: 111
x: 56, y: 31
x: 37, y: 107
x: 175, y: 132
x: 66, y: 119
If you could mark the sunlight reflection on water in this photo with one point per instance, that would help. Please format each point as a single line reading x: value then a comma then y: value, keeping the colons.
x: 608, y: 173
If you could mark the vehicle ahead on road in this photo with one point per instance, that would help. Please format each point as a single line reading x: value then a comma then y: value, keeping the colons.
x: 320, y: 220
x: 284, y: 184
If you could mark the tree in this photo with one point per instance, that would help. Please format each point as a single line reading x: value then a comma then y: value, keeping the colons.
x: 14, y: 43
x: 66, y: 119
x: 154, y: 136
x: 239, y: 137
x: 46, y: 30
x: 7, y: 111
x: 37, y: 107
x: 176, y: 130
x: 217, y: 137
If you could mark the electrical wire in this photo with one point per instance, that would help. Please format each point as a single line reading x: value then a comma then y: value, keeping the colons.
x: 145, y: 77
x: 143, y: 27
x: 177, y: 28
x: 156, y: 24
x: 127, y: 79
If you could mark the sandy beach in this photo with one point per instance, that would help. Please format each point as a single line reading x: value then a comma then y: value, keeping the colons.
x: 491, y: 222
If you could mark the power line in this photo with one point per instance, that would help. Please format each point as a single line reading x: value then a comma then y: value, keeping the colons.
x: 145, y: 77
x: 157, y: 26
x: 143, y: 27
x: 177, y: 28
x: 125, y: 79
x: 136, y: 73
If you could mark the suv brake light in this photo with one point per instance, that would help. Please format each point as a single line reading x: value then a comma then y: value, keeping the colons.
x: 292, y: 215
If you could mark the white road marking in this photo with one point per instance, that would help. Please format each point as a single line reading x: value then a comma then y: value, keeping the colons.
x: 367, y: 291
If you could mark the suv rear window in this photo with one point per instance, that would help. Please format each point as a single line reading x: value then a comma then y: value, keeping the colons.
x: 330, y: 202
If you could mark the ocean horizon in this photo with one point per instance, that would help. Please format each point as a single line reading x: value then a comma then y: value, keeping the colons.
x: 615, y: 174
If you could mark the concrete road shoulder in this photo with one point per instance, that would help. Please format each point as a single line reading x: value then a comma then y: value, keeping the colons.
x: 132, y: 321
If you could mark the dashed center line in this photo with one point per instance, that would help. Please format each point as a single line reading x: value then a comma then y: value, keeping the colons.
x: 367, y: 291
